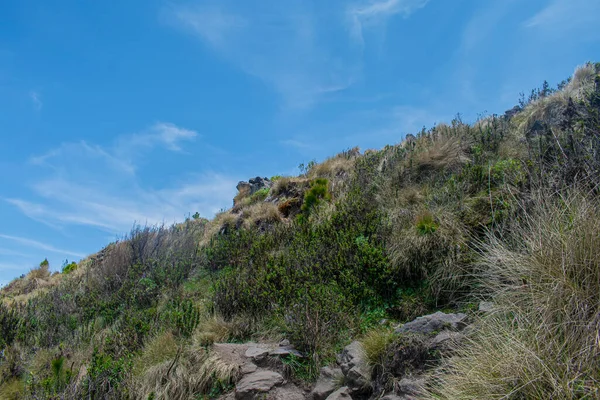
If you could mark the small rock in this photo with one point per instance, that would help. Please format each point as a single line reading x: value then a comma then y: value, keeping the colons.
x: 352, y: 355
x: 287, y: 392
x: 257, y: 353
x: 256, y: 383
x: 435, y: 322
x: 444, y: 337
x: 357, y: 379
x: 486, y: 306
x: 248, y: 368
x: 341, y: 393
x: 285, y: 351
x: 326, y: 383
x: 284, y: 343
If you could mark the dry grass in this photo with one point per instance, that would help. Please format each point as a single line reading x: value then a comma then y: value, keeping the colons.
x: 186, y: 376
x: 12, y: 390
x: 551, y: 108
x: 158, y: 349
x: 260, y: 215
x: 542, y: 342
x: 375, y: 343
x: 212, y: 330
x: 222, y: 221
x: 290, y: 187
x: 428, y: 254
x: 337, y: 166
x: 443, y: 151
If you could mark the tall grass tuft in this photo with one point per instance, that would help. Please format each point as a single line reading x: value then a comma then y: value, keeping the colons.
x: 542, y: 342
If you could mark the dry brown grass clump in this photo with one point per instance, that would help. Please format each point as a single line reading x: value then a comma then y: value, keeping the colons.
x: 261, y: 215
x: 290, y: 187
x: 542, y: 341
x: 189, y: 374
x: 337, y: 166
x: 223, y: 221
x: 375, y: 343
x: 212, y: 330
x: 426, y: 245
x: 441, y: 151
x: 158, y: 349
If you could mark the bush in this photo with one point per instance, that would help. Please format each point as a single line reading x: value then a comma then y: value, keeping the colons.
x: 318, y: 192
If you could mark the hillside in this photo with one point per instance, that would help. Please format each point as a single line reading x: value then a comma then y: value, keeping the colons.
x: 492, y: 227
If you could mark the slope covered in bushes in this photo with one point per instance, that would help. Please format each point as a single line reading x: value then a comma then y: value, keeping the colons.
x: 504, y: 209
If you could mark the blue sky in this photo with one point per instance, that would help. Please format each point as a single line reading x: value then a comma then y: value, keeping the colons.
x: 148, y: 111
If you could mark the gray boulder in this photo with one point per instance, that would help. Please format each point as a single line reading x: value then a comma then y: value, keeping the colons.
x: 340, y: 394
x: 434, y: 323
x: 354, y: 367
x: 326, y: 384
x: 257, y: 383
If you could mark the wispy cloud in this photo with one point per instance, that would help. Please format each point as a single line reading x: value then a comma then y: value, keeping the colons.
x: 122, y: 154
x: 39, y: 245
x: 562, y: 16
x: 100, y: 186
x: 278, y: 42
x: 374, y: 13
x: 295, y: 143
x: 36, y: 99
x: 161, y: 133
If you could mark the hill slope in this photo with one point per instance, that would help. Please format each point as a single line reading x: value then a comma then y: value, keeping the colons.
x: 503, y: 210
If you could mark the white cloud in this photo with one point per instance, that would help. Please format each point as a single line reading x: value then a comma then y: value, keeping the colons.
x: 562, y: 16
x: 374, y: 13
x: 36, y: 99
x: 39, y: 245
x: 100, y: 186
x: 281, y: 43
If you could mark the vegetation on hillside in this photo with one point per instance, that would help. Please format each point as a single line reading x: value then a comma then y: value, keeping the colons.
x: 505, y: 209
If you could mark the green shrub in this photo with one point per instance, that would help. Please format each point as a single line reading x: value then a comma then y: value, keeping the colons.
x: 69, y: 267
x: 105, y: 375
x: 187, y: 317
x: 318, y: 192
x: 426, y: 224
x: 259, y: 195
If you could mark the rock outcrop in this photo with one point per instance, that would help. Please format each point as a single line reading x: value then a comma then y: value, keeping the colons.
x: 253, y: 185
x: 434, y: 323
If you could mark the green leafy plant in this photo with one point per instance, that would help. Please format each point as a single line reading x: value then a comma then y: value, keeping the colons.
x: 69, y: 267
x: 318, y: 192
x: 187, y: 317
x: 426, y: 224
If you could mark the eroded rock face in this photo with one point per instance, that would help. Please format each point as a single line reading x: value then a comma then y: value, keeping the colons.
x: 257, y: 383
x: 354, y: 367
x: 434, y: 323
